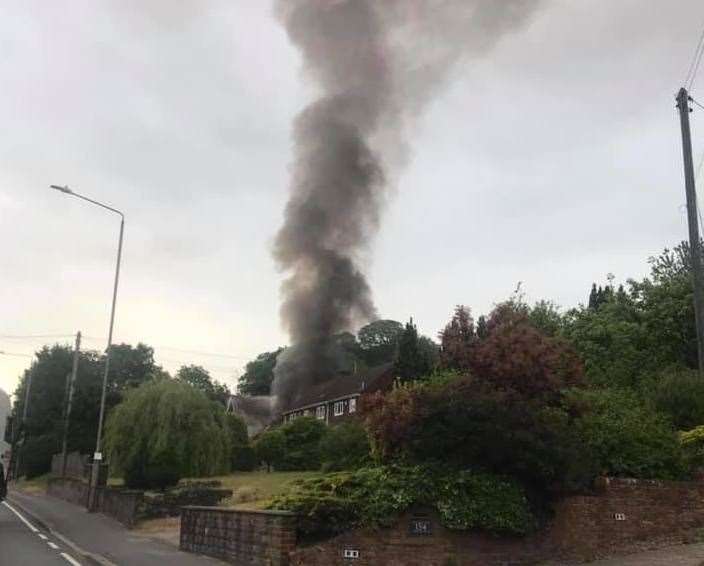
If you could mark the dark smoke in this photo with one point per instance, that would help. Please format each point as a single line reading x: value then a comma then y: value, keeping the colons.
x: 376, y: 64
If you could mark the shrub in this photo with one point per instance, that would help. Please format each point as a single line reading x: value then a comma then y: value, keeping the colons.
x: 374, y: 497
x: 625, y: 437
x: 241, y: 453
x: 36, y: 455
x: 693, y: 446
x: 680, y: 394
x: 270, y: 448
x: 345, y: 447
x: 467, y: 422
x: 302, y: 441
x: 165, y: 430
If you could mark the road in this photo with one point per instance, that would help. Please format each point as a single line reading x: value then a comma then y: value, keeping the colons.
x: 24, y: 544
x: 93, y: 538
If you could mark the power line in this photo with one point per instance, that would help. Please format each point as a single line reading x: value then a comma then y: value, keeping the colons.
x: 15, y: 354
x: 696, y: 62
x: 158, y: 347
x: 34, y: 336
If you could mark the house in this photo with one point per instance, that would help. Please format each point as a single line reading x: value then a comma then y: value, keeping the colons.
x: 255, y: 411
x: 338, y: 399
x: 332, y: 401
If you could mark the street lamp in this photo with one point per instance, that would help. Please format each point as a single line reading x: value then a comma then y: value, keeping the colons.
x: 97, y: 456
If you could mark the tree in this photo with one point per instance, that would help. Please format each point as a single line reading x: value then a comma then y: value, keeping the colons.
x: 411, y: 362
x: 270, y: 448
x: 259, y: 374
x: 679, y: 394
x: 163, y: 431
x: 200, y: 379
x: 303, y: 437
x: 241, y: 452
x: 458, y: 339
x: 378, y: 341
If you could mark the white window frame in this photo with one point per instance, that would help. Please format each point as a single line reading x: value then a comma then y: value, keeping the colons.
x: 338, y: 408
x: 352, y: 406
x: 320, y: 412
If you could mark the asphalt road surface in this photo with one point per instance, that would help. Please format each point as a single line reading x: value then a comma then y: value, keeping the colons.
x: 24, y: 544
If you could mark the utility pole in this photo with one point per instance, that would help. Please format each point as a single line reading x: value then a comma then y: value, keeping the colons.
x: 683, y: 100
x: 23, y: 427
x: 67, y: 414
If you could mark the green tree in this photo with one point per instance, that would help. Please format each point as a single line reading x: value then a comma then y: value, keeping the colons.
x: 241, y: 452
x: 303, y: 437
x: 680, y: 395
x: 199, y: 378
x: 259, y: 374
x: 270, y: 448
x: 163, y: 431
x: 411, y: 362
x: 458, y: 339
x: 378, y: 341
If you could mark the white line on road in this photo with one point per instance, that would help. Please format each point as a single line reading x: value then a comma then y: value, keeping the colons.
x: 43, y: 537
x: 54, y: 546
x: 70, y: 560
x: 30, y: 526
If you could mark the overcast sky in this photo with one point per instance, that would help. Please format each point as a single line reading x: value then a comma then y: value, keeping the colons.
x: 554, y: 160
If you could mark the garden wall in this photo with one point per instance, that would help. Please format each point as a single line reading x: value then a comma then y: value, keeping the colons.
x: 123, y: 505
x: 619, y: 517
x: 257, y: 538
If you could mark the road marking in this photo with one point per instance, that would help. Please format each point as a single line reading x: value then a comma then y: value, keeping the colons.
x: 43, y: 537
x: 70, y: 560
x: 30, y: 526
x: 54, y: 546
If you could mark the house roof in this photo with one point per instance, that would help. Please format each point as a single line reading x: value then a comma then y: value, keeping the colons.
x: 345, y: 385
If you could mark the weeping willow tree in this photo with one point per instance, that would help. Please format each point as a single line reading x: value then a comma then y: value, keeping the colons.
x: 166, y: 430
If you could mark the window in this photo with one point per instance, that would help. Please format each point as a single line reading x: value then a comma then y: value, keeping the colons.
x: 338, y: 408
x: 353, y: 405
x: 320, y: 412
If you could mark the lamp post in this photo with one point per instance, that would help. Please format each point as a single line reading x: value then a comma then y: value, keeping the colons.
x: 97, y: 456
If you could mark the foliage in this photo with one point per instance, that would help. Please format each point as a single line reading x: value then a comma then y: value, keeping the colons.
x: 518, y: 357
x: 625, y: 437
x: 692, y: 442
x: 270, y: 448
x: 241, y: 452
x: 458, y: 339
x: 412, y: 360
x: 469, y: 422
x: 374, y: 497
x: 378, y: 341
x: 36, y: 455
x: 545, y: 316
x: 680, y: 395
x: 198, y: 377
x: 259, y: 374
x: 303, y: 437
x: 165, y: 430
x: 345, y: 447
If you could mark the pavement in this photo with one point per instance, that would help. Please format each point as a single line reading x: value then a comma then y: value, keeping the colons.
x: 89, y: 539
x: 684, y: 555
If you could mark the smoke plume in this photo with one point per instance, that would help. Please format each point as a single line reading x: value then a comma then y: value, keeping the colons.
x: 376, y: 64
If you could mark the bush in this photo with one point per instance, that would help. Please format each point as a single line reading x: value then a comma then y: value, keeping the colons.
x: 627, y: 438
x: 302, y: 440
x: 35, y: 455
x: 345, y: 447
x: 693, y: 446
x: 241, y: 453
x: 469, y: 423
x: 374, y: 497
x: 680, y: 395
x: 165, y: 430
x: 270, y: 448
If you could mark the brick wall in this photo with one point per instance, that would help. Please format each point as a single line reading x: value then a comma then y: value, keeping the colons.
x: 258, y: 538
x: 619, y: 517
